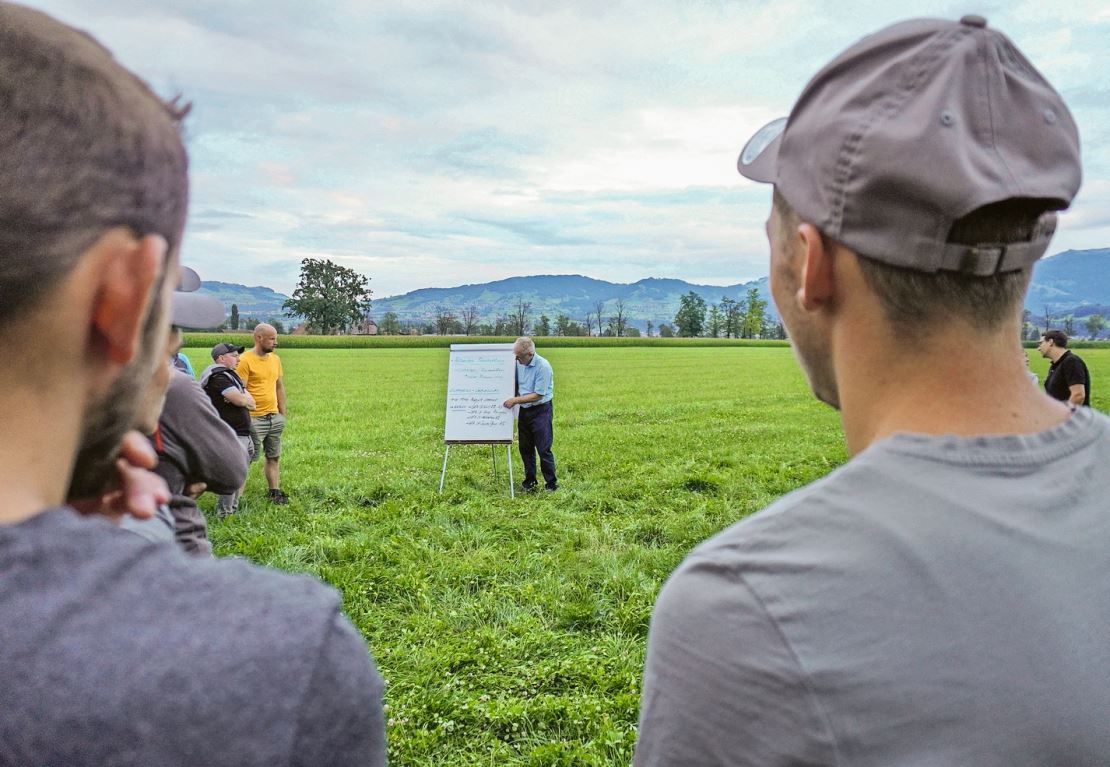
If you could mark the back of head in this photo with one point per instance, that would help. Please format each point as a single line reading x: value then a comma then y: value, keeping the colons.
x: 85, y: 146
x: 937, y: 153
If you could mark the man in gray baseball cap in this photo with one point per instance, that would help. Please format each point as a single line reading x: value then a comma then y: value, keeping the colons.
x: 942, y: 598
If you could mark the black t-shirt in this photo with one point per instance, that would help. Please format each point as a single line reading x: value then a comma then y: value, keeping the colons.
x: 238, y: 418
x: 1063, y: 374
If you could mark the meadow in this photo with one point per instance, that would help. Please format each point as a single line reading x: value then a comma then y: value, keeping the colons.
x: 512, y: 631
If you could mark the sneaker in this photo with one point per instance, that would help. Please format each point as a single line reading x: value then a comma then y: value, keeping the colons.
x: 528, y: 487
x: 551, y: 488
x: 278, y: 497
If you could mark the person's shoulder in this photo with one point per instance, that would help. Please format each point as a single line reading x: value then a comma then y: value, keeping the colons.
x: 837, y: 504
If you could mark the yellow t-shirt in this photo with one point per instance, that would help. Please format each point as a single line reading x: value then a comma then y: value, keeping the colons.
x: 260, y: 377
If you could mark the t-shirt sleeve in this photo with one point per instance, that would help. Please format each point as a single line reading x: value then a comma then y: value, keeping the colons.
x: 217, y: 384
x: 1072, y: 372
x: 243, y: 370
x: 341, y: 720
x: 721, y: 686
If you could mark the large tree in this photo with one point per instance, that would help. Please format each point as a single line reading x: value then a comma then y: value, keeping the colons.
x: 469, y: 319
x: 521, y: 317
x: 330, y: 297
x: 690, y: 319
x: 1095, y: 325
x: 391, y: 325
x: 619, y: 320
x: 755, y: 315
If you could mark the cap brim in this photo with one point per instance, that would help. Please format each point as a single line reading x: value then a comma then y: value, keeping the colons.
x: 763, y: 168
x: 192, y: 310
x: 189, y: 281
x: 759, y: 158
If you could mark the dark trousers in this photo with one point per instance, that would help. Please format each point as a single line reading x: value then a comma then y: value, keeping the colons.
x: 534, y: 431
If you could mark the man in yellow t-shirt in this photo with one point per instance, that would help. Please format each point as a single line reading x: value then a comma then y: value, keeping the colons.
x: 260, y: 370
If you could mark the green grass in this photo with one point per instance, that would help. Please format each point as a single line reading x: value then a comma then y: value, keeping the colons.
x: 511, y: 632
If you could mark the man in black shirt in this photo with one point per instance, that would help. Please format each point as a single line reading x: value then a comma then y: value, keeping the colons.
x: 233, y: 402
x: 1068, y: 379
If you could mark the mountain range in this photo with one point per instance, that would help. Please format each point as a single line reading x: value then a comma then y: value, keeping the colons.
x: 1073, y: 282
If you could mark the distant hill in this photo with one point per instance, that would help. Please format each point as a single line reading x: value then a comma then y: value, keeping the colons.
x: 258, y: 301
x: 651, y: 299
x: 1073, y: 282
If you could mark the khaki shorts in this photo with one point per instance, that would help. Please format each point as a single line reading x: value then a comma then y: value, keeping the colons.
x: 266, y: 435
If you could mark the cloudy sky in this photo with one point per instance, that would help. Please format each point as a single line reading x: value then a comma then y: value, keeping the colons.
x: 437, y: 143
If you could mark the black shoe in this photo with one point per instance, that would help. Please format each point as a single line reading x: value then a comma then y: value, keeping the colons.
x: 551, y: 488
x: 278, y: 497
x: 528, y: 487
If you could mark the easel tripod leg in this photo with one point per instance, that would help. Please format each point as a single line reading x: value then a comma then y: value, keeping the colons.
x: 443, y: 473
x: 509, y: 460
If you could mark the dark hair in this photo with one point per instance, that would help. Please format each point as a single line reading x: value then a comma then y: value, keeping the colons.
x: 1058, y: 337
x: 913, y: 301
x: 85, y: 146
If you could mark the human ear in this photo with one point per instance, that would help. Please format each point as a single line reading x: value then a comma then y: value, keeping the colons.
x: 815, y: 288
x: 122, y: 297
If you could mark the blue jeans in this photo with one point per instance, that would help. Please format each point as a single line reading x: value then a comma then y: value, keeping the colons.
x: 534, y: 431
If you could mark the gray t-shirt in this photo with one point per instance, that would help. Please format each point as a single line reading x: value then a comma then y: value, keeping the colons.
x: 118, y: 651
x: 935, y: 601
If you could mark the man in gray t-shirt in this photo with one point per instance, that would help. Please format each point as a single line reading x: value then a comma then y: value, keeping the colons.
x: 115, y: 650
x: 941, y: 599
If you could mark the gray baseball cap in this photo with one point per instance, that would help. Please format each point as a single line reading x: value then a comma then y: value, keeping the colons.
x: 190, y: 309
x: 911, y: 129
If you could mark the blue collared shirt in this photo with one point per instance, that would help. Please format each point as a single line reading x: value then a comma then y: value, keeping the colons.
x: 535, y: 377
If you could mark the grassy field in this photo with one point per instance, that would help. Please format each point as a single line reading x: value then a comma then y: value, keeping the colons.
x: 512, y: 632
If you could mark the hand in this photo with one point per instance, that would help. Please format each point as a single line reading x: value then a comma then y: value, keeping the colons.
x: 195, y: 490
x: 509, y: 402
x: 135, y: 490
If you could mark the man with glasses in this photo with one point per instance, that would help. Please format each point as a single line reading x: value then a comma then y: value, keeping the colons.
x: 942, y: 598
x: 114, y: 649
x: 535, y: 386
x: 233, y: 402
x: 1068, y: 379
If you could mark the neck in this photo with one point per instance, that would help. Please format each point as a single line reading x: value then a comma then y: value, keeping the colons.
x: 958, y: 382
x: 35, y: 467
x: 259, y: 351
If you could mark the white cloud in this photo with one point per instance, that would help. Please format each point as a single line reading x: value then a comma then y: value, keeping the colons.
x: 447, y: 141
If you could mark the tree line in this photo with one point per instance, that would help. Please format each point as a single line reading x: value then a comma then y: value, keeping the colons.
x: 746, y: 317
x: 1094, y: 324
x: 335, y: 299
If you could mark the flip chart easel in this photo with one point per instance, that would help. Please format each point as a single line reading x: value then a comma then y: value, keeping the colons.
x: 480, y: 377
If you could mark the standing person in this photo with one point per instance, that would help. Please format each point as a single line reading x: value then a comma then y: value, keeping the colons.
x: 233, y: 403
x: 113, y: 649
x: 535, y: 383
x: 936, y: 600
x: 261, y: 373
x: 1068, y: 379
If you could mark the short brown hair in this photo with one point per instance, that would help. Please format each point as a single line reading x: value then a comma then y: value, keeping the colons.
x: 1058, y: 337
x: 913, y: 301
x: 85, y: 146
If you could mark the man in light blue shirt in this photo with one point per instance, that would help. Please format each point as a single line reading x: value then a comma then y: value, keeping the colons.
x: 535, y: 385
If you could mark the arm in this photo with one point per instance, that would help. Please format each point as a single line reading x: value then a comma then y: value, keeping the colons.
x: 341, y: 719
x: 1077, y: 393
x: 135, y: 490
x: 281, y: 395
x: 236, y: 397
x: 522, y: 399
x: 213, y: 454
x: 721, y: 686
